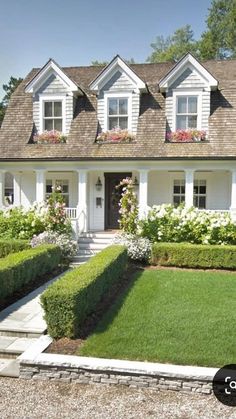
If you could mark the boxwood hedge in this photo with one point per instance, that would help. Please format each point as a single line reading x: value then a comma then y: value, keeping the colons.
x: 194, y: 255
x: 18, y: 269
x: 12, y: 246
x: 71, y: 299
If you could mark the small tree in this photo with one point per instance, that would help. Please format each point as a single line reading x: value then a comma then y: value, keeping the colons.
x: 128, y: 206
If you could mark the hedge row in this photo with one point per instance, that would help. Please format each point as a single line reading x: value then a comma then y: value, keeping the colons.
x: 194, y: 255
x: 12, y: 246
x: 71, y: 299
x: 18, y: 269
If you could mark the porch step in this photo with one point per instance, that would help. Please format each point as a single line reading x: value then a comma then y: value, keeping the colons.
x: 98, y: 235
x: 12, y: 346
x: 95, y: 240
x: 93, y: 246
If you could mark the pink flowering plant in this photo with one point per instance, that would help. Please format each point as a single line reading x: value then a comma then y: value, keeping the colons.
x: 49, y: 137
x: 55, y: 217
x: 128, y: 206
x: 115, y: 135
x: 185, y: 136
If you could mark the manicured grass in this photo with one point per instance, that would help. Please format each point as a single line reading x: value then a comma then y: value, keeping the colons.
x: 171, y: 316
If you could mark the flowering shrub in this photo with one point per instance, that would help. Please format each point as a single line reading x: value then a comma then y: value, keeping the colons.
x: 128, y: 206
x: 167, y: 223
x: 115, y: 136
x: 49, y: 137
x: 68, y: 247
x: 55, y: 216
x: 183, y: 136
x: 138, y: 248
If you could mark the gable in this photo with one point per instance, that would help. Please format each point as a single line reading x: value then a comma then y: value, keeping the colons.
x: 118, y: 81
x: 189, y: 79
x: 52, y: 85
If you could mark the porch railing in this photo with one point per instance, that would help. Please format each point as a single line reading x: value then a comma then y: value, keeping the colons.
x: 71, y: 212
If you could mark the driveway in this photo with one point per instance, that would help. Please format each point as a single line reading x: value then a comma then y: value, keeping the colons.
x: 38, y: 399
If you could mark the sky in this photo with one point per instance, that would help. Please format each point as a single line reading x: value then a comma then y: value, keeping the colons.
x: 76, y: 32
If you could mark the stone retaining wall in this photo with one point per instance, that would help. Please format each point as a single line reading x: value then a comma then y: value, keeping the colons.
x: 36, y: 365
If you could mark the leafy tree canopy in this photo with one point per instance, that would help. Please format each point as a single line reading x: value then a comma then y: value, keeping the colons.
x: 103, y: 63
x: 8, y: 88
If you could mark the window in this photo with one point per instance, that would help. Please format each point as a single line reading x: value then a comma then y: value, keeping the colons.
x: 186, y: 112
x: 52, y: 115
x: 178, y: 191
x: 117, y: 113
x: 63, y: 183
x: 199, y: 197
x: 199, y: 193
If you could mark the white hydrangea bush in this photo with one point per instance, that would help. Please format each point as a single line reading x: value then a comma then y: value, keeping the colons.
x: 68, y: 246
x: 167, y: 223
x: 138, y: 248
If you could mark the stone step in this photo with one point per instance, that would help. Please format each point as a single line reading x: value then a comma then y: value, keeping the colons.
x: 105, y: 241
x: 88, y: 252
x: 92, y: 246
x: 98, y: 235
x: 12, y: 346
x: 9, y: 367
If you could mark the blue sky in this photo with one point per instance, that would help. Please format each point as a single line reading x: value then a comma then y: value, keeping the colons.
x: 76, y: 32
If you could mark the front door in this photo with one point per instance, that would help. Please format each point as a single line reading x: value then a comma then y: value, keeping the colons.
x: 112, y: 198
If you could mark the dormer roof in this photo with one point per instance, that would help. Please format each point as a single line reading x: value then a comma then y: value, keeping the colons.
x: 115, y: 65
x: 51, y: 67
x: 188, y: 61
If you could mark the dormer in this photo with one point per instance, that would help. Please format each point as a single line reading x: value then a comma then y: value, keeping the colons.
x: 54, y: 95
x: 118, y: 90
x: 187, y: 88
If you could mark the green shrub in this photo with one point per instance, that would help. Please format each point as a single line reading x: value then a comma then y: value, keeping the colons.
x: 194, y: 255
x: 12, y: 246
x: 71, y: 299
x: 18, y: 269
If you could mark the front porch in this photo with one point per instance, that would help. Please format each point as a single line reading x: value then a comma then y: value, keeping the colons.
x: 91, y: 196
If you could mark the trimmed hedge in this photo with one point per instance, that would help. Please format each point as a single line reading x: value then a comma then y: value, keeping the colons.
x: 18, y: 269
x: 12, y: 246
x: 71, y: 299
x: 194, y: 255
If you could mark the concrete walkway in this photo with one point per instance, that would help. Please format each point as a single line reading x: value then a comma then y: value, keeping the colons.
x: 21, y: 324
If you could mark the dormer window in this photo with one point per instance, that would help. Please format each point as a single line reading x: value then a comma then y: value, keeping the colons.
x: 117, y: 113
x: 186, y: 112
x: 52, y: 116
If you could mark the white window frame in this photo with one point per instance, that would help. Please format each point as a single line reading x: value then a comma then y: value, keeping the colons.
x: 51, y: 98
x: 196, y: 181
x: 180, y: 195
x: 196, y: 93
x: 117, y: 95
x: 55, y: 181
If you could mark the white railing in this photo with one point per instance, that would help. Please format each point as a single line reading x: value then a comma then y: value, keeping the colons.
x: 71, y: 212
x: 215, y: 211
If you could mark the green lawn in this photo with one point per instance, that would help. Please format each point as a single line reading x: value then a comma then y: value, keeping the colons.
x: 180, y: 317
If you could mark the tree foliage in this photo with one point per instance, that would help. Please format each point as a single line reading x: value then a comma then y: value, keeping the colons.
x: 8, y: 88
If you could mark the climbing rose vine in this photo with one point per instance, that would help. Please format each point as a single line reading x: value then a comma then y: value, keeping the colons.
x: 128, y: 206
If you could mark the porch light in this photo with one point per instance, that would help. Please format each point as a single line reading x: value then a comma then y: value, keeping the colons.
x: 98, y: 184
x: 135, y: 183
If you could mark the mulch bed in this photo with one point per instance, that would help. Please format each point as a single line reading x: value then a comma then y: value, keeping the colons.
x: 70, y: 346
x: 30, y: 287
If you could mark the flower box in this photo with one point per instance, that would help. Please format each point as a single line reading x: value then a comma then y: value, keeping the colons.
x: 49, y: 137
x: 186, y: 136
x: 115, y: 136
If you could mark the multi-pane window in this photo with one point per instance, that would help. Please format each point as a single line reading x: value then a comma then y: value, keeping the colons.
x: 186, y: 112
x: 199, y: 194
x: 117, y: 113
x: 64, y: 185
x: 52, y: 115
x: 178, y: 191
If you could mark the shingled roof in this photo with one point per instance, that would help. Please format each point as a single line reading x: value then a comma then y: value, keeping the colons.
x: 150, y: 142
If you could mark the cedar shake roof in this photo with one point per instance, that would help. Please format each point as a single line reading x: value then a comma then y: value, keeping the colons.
x: 17, y: 126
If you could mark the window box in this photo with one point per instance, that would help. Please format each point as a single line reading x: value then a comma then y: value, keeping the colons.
x: 186, y: 136
x: 115, y: 136
x: 49, y: 137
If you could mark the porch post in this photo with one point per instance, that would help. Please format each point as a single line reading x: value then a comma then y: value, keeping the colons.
x: 233, y: 195
x: 17, y: 188
x: 40, y: 185
x: 82, y: 200
x: 189, y: 183
x: 2, y: 188
x: 143, y: 193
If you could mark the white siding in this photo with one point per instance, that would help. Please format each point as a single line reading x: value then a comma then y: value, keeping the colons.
x: 118, y: 82
x: 188, y: 80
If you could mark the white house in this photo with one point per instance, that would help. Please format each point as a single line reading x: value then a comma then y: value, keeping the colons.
x: 150, y: 102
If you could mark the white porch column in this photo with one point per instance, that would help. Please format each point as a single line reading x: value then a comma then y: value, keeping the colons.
x: 189, y: 183
x: 233, y: 195
x: 40, y: 185
x: 2, y: 188
x: 143, y: 193
x: 17, y: 188
x: 82, y: 200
